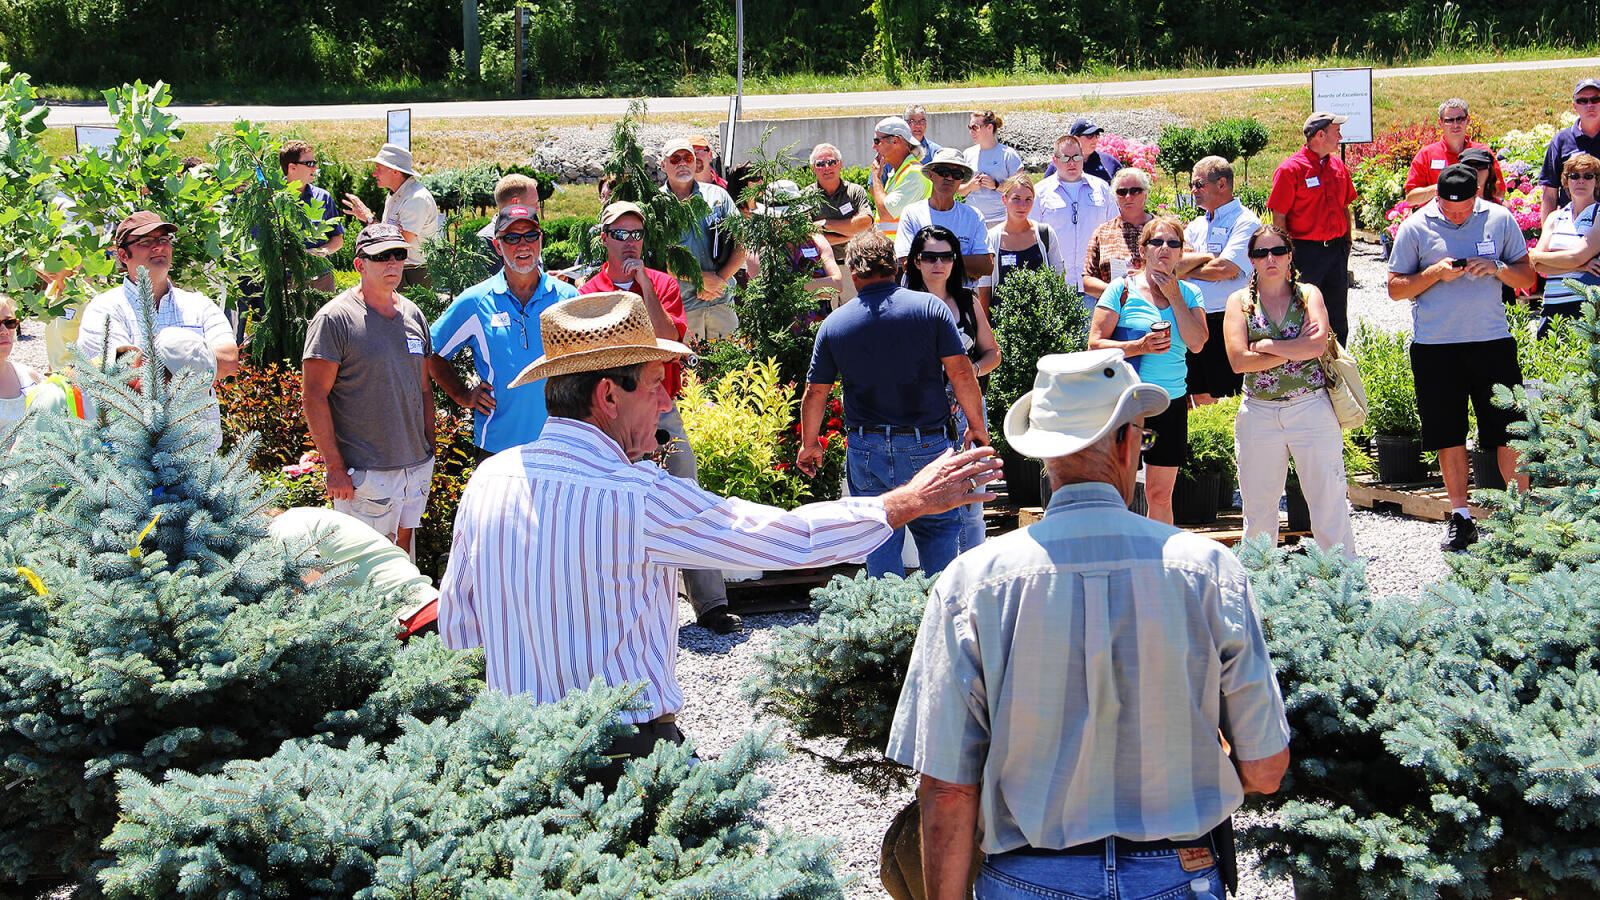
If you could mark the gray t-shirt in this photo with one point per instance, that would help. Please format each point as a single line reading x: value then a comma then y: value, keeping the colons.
x: 376, y: 400
x: 998, y: 162
x: 1467, y: 309
x: 700, y: 239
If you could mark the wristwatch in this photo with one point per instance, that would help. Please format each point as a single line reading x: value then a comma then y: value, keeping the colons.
x: 1499, y: 266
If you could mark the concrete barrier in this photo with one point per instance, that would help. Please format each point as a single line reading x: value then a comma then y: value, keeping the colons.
x: 851, y: 134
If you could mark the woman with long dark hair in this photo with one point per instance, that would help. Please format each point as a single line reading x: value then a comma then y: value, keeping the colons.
x: 934, y: 265
x: 1276, y: 330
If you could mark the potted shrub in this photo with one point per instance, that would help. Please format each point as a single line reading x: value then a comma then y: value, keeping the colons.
x: 1034, y: 313
x: 1209, y: 464
x: 1392, y: 418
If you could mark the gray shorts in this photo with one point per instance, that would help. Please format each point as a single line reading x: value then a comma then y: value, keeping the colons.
x: 389, y: 499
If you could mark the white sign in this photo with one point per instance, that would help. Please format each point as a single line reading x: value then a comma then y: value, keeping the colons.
x: 400, y: 127
x: 96, y: 137
x: 1345, y: 92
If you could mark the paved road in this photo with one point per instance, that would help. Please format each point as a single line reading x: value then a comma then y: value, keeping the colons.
x: 67, y: 115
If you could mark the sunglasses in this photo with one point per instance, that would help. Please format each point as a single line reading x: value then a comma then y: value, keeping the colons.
x: 1174, y: 243
x: 1147, y: 436
x: 881, y: 138
x: 946, y: 172
x: 159, y: 240
x: 515, y: 238
x: 1197, y: 185
x: 11, y: 324
x: 680, y: 157
x: 398, y: 254
x: 1452, y: 120
x: 1586, y: 101
x: 1129, y: 191
x: 976, y: 127
x: 936, y: 256
x: 1071, y: 159
x: 625, y: 234
x: 1581, y: 176
x: 1264, y: 252
x: 825, y: 163
x: 308, y: 163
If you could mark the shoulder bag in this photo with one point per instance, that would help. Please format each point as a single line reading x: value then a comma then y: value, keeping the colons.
x: 1345, y: 389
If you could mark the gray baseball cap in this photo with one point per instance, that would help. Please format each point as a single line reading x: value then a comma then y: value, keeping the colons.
x: 894, y: 126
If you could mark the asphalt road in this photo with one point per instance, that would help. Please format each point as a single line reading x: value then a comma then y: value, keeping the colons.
x: 65, y: 115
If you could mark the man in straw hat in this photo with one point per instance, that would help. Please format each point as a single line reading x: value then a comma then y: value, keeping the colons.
x: 563, y: 564
x: 409, y: 205
x: 1075, y: 676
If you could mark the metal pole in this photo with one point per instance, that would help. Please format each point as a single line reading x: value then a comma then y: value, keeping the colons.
x: 470, y: 44
x: 738, y: 84
x: 516, y: 40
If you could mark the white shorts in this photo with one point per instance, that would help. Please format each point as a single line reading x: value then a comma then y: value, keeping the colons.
x: 389, y: 499
x: 708, y: 323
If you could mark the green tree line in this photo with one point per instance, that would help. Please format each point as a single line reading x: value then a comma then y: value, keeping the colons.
x: 573, y: 44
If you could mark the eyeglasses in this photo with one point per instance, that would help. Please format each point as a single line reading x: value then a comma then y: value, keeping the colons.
x: 918, y: 121
x: 511, y: 239
x: 881, y: 138
x: 398, y: 254
x: 11, y: 324
x: 936, y: 256
x: 680, y: 157
x: 1069, y: 159
x: 1587, y: 101
x: 625, y: 234
x: 1454, y: 120
x: 308, y: 163
x: 1197, y: 184
x: 1129, y: 191
x: 1264, y: 252
x: 825, y: 163
x: 1147, y: 436
x: 155, y: 240
x: 1174, y: 243
x: 946, y: 172
x: 1580, y: 176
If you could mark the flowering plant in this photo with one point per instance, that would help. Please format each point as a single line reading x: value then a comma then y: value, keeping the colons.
x: 1395, y: 149
x: 1396, y: 214
x: 1524, y: 205
x: 1130, y: 152
x: 1528, y: 145
x: 301, y: 483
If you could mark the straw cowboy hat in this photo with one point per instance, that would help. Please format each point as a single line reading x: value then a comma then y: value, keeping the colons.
x: 1077, y: 398
x: 597, y: 331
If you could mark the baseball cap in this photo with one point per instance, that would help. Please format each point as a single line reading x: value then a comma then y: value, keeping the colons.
x: 619, y: 209
x: 1458, y: 182
x: 513, y: 214
x: 1586, y: 83
x: 675, y: 145
x: 378, y: 237
x: 894, y: 126
x: 140, y: 224
x: 1476, y: 157
x: 1084, y: 127
x: 1320, y: 120
x: 699, y: 141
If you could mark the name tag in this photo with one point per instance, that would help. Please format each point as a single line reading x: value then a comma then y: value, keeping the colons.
x: 846, y: 209
x: 1313, y: 181
x: 1437, y: 164
x: 414, y: 346
x: 500, y: 320
x: 69, y: 314
x: 808, y: 252
x: 1486, y: 248
x: 1008, y: 259
x: 1119, y: 268
x: 1214, y: 249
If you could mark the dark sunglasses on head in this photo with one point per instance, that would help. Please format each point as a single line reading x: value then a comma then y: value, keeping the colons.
x: 934, y: 256
x: 11, y: 324
x: 1174, y: 243
x: 946, y: 172
x: 514, y: 238
x: 1129, y: 191
x: 398, y: 254
x: 1581, y: 176
x: 1264, y: 252
x: 625, y: 234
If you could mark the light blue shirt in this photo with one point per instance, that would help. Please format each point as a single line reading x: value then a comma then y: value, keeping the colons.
x: 1468, y: 309
x: 700, y: 240
x: 1170, y: 370
x: 962, y: 219
x: 504, y: 336
x: 998, y: 162
x: 1224, y: 234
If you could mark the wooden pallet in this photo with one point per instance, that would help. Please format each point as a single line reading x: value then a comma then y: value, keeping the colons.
x: 1418, y: 500
x: 782, y: 591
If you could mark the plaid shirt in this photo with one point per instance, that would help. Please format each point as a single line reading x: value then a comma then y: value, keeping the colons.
x: 1079, y: 670
x: 1116, y: 239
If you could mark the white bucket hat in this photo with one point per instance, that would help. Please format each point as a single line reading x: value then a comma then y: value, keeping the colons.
x: 395, y: 157
x: 1077, y: 398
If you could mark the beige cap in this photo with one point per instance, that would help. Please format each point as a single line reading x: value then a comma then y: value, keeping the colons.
x: 619, y: 209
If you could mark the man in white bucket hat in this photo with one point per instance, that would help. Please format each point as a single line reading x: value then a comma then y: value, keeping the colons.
x: 1076, y: 675
x: 564, y: 561
x: 409, y: 205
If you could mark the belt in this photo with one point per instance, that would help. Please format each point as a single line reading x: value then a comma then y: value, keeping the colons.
x: 886, y: 430
x: 1331, y: 242
x: 1123, y: 845
x: 663, y: 719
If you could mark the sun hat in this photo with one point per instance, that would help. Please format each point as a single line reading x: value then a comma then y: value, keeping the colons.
x: 378, y: 237
x: 511, y: 215
x: 949, y: 156
x: 140, y: 224
x: 1077, y: 399
x: 894, y: 126
x: 183, y: 350
x: 1458, y: 182
x: 778, y: 194
x: 395, y: 157
x: 619, y: 209
x: 597, y: 331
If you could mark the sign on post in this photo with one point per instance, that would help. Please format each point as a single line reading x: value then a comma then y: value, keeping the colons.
x: 400, y: 127
x: 95, y: 137
x: 1345, y: 92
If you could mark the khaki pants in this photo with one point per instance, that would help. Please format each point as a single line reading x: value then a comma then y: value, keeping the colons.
x: 708, y: 323
x: 1265, y: 434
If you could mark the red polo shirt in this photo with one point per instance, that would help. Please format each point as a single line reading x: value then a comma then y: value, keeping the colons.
x: 1313, y: 194
x: 671, y: 300
x: 1432, y: 159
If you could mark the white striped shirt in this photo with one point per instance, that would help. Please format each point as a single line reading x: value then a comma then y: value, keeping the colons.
x: 563, y: 564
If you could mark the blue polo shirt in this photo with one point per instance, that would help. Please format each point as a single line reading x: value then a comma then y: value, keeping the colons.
x: 504, y: 336
x: 1567, y: 141
x: 888, y: 346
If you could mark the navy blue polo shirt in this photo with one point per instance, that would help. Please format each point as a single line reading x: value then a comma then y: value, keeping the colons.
x: 1566, y: 142
x: 887, y: 346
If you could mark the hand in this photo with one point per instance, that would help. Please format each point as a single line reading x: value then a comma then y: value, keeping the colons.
x: 1314, y: 331
x: 807, y: 460
x: 354, y: 207
x: 1164, y: 282
x: 481, y: 399
x: 1444, y: 270
x: 634, y: 270
x: 977, y: 436
x: 877, y: 166
x: 1156, y: 342
x: 714, y: 284
x: 339, y: 486
x: 1481, y: 267
x: 954, y: 479
x: 1592, y: 266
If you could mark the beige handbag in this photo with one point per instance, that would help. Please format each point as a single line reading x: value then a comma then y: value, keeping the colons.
x: 1345, y: 389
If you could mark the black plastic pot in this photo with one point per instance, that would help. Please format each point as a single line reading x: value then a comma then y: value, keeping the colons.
x: 1194, y: 499
x: 1225, y: 492
x: 1022, y: 478
x: 1486, y: 471
x: 1399, y: 458
x: 1299, y: 510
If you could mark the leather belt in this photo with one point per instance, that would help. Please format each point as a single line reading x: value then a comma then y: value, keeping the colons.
x: 1123, y: 845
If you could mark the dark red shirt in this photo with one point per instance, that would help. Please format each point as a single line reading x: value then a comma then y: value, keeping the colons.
x: 671, y: 300
x: 1432, y: 159
x: 1313, y: 195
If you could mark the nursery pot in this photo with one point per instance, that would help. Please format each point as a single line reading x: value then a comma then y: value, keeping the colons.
x: 1022, y: 478
x: 1194, y: 498
x: 1486, y: 471
x: 1299, y: 510
x: 1225, y: 494
x: 1399, y: 458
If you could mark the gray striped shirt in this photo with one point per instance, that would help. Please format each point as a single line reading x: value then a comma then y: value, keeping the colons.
x: 1079, y: 670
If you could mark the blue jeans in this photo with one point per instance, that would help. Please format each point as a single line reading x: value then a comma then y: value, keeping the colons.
x: 1126, y: 875
x: 972, y: 532
x: 877, y: 463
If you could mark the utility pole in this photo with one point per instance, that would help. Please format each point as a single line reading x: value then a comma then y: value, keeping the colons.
x: 738, y: 84
x: 470, y: 44
x: 516, y: 41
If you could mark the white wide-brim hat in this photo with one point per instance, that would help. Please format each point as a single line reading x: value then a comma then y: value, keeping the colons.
x: 1077, y: 399
x: 395, y: 157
